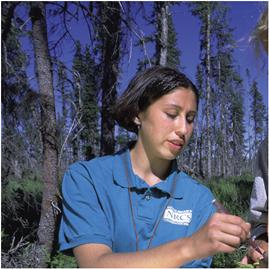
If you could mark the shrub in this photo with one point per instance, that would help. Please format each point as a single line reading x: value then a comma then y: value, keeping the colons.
x: 20, y: 255
x: 21, y: 202
x: 61, y: 260
x: 228, y: 260
x: 233, y: 193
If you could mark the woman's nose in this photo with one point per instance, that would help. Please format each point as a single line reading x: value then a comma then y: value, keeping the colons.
x: 181, y: 128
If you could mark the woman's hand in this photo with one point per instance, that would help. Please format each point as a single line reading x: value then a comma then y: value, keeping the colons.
x: 253, y: 255
x: 222, y: 233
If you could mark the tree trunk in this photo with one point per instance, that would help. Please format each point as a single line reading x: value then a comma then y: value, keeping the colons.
x: 6, y: 25
x: 162, y: 41
x: 110, y: 55
x: 208, y: 94
x: 46, y: 229
x: 223, y: 122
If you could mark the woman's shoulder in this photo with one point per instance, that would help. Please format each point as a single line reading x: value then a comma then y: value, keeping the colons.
x: 102, y: 166
x: 93, y: 164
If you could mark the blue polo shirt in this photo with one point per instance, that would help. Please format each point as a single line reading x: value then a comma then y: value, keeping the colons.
x: 96, y: 206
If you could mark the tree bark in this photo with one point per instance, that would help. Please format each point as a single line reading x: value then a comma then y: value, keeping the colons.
x: 46, y: 229
x: 162, y: 21
x: 223, y: 122
x: 208, y: 92
x: 110, y: 55
x: 6, y: 26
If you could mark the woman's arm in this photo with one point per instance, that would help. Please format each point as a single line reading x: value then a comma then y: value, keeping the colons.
x: 168, y: 255
x: 222, y: 233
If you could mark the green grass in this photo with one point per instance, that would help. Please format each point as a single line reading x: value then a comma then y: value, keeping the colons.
x: 234, y: 194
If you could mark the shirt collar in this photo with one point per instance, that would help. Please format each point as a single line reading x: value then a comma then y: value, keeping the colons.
x: 122, y: 168
x: 122, y: 172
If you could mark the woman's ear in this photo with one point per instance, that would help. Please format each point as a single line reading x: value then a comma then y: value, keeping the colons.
x: 137, y: 121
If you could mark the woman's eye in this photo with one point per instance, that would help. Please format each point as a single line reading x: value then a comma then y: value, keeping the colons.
x: 190, y: 119
x: 170, y: 115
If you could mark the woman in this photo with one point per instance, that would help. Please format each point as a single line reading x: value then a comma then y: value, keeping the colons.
x: 258, y: 206
x: 134, y: 208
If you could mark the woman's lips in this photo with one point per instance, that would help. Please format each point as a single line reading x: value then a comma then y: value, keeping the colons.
x: 176, y: 145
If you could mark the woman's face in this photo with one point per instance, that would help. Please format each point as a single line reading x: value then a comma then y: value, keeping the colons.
x: 167, y: 124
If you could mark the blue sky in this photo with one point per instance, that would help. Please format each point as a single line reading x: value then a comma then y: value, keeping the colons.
x: 243, y: 17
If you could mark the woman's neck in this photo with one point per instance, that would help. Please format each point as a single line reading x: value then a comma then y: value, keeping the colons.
x: 151, y: 170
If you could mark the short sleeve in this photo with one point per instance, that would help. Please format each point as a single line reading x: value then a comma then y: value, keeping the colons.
x: 83, y: 220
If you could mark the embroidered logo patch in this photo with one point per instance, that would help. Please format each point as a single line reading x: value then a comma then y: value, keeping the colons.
x: 179, y: 217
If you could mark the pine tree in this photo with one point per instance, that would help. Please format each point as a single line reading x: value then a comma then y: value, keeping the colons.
x: 173, y: 52
x: 237, y: 129
x: 63, y: 119
x: 77, y: 70
x: 47, y: 224
x: 62, y: 78
x: 161, y: 10
x: 109, y: 34
x: 228, y: 100
x: 86, y: 134
x: 258, y: 114
x: 222, y: 70
x: 204, y: 12
x: 220, y: 92
x: 198, y: 157
x: 164, y: 38
x: 89, y: 119
x: 166, y: 52
x: 249, y: 135
x: 21, y: 143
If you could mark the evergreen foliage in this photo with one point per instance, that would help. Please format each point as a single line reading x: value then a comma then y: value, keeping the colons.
x: 258, y: 114
x: 63, y: 116
x: 90, y: 132
x: 171, y: 44
x: 77, y: 69
x: 85, y: 105
x: 21, y: 145
x: 109, y: 48
x: 224, y: 94
x: 173, y: 55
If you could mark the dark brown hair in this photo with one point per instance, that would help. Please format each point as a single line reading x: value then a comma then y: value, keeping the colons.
x: 145, y: 88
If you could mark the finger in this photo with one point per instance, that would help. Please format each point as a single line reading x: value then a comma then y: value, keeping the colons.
x: 246, y: 227
x: 234, y: 230
x: 235, y: 225
x: 225, y: 248
x: 254, y: 255
x: 227, y: 239
x: 262, y: 244
x: 232, y: 219
x: 244, y: 260
x: 245, y: 232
